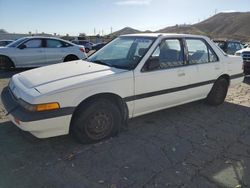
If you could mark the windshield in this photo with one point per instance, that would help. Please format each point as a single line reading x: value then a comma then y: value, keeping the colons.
x: 16, y: 43
x: 124, y: 52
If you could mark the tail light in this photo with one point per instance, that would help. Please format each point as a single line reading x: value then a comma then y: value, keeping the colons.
x: 82, y: 49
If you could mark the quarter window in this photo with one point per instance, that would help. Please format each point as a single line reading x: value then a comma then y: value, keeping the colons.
x: 34, y: 43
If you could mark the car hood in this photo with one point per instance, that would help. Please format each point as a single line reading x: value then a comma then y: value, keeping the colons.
x: 65, y: 74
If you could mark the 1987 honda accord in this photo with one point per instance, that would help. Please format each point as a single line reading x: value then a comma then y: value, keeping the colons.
x: 131, y: 76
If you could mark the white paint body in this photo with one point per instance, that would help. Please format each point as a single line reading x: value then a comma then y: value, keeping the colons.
x: 42, y: 56
x: 71, y: 83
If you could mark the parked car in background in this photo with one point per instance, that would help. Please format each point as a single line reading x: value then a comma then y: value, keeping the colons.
x: 5, y: 42
x: 88, y: 45
x: 229, y: 46
x: 245, y: 54
x: 131, y: 76
x: 98, y: 46
x: 246, y: 45
x: 39, y: 51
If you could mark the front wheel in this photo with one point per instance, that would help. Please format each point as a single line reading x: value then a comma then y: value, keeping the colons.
x: 5, y: 63
x: 218, y: 92
x: 96, y: 121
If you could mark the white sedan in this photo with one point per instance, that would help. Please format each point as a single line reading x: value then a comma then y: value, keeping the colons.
x: 39, y: 51
x: 131, y: 76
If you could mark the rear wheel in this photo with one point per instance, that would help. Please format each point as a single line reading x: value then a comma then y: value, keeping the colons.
x: 218, y: 92
x: 96, y: 121
x: 6, y: 63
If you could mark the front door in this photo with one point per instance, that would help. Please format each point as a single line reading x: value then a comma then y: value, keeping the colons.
x: 163, y: 79
x: 30, y: 53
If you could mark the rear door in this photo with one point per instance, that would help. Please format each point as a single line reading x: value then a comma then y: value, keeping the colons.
x: 31, y: 53
x: 54, y: 51
x: 207, y: 67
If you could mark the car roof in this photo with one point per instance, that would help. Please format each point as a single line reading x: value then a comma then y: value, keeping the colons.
x: 7, y: 40
x: 225, y: 40
x: 42, y: 37
x: 165, y: 35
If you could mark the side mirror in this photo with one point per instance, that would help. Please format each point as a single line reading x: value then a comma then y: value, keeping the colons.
x: 22, y: 46
x: 152, y: 63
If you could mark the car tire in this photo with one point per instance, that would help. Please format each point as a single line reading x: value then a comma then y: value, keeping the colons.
x: 95, y: 121
x: 70, y: 58
x: 5, y: 63
x: 218, y: 92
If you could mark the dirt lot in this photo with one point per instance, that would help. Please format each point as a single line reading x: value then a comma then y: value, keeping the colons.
x: 193, y: 145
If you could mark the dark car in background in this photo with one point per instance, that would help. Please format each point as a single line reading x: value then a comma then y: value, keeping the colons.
x: 98, y: 46
x: 5, y: 42
x: 88, y: 45
x: 229, y: 46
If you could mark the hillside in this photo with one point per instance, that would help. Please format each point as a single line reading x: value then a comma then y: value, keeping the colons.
x: 124, y: 31
x: 188, y: 29
x: 233, y: 25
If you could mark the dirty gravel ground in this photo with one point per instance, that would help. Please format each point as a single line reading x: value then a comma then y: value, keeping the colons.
x: 193, y: 145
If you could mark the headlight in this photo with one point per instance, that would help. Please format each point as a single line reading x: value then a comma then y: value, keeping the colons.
x: 39, y: 107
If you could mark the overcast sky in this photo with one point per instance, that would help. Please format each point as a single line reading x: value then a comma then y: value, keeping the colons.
x: 76, y: 16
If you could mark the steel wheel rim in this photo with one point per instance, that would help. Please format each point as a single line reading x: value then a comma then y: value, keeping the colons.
x: 99, y: 124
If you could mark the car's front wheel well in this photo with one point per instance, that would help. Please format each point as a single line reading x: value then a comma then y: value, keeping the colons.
x: 70, y: 57
x: 113, y: 98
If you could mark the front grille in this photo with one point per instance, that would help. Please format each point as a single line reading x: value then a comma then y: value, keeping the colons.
x: 246, y: 56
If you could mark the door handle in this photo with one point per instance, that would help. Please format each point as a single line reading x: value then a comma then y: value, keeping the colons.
x: 217, y: 68
x: 181, y: 74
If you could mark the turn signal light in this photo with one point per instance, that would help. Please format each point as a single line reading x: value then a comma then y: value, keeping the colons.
x: 48, y: 106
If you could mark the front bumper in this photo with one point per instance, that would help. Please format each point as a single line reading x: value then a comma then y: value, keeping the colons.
x: 40, y: 124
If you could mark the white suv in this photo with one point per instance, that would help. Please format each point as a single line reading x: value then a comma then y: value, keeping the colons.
x: 131, y: 76
x: 39, y: 51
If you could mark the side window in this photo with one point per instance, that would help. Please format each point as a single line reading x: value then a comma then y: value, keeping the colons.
x: 237, y: 46
x: 169, y: 54
x: 54, y: 43
x: 231, y: 48
x: 33, y: 43
x: 197, y: 51
x: 65, y: 44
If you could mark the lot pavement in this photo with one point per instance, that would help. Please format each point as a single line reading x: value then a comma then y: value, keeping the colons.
x: 193, y: 145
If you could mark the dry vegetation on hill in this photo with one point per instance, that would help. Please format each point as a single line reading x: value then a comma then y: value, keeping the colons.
x: 233, y: 25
